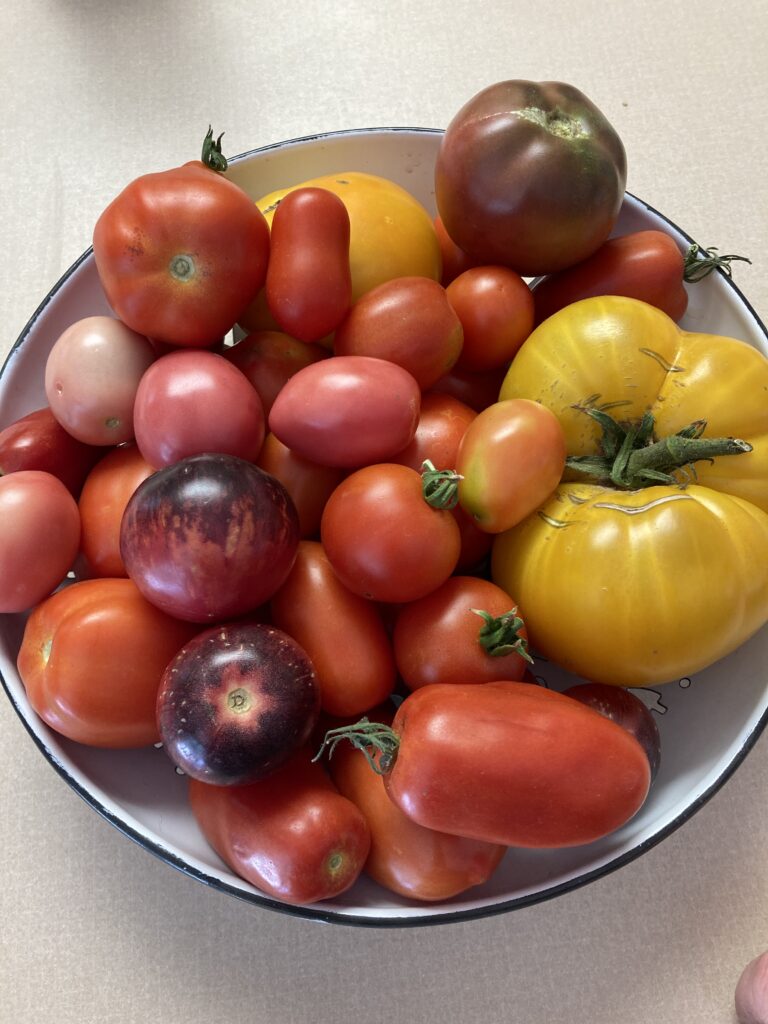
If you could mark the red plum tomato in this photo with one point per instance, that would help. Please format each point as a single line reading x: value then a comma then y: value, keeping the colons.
x: 92, y: 658
x: 495, y: 307
x: 91, y: 377
x: 293, y: 836
x: 190, y: 402
x: 383, y: 540
x: 39, y: 539
x: 347, y: 411
x: 407, y: 321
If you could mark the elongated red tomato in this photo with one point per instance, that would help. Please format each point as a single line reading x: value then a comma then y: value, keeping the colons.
x: 342, y: 633
x: 292, y: 835
x: 309, y: 285
x: 512, y: 763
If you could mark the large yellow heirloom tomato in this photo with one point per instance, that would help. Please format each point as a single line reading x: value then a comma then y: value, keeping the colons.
x: 391, y: 234
x: 642, y: 586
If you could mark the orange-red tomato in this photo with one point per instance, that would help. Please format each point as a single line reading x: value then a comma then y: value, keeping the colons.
x: 407, y: 858
x: 342, y: 633
x: 308, y: 484
x: 105, y: 494
x: 292, y: 835
x: 443, y: 421
x: 496, y: 310
x: 455, y: 260
x: 269, y: 358
x: 92, y: 658
x: 440, y: 639
x: 407, y: 321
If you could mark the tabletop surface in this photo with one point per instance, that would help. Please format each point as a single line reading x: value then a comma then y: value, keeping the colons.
x: 92, y: 927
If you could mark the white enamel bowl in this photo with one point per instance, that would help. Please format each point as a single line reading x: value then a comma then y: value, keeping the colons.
x: 707, y: 723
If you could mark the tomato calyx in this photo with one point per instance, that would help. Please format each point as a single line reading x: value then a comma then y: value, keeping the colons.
x: 500, y: 635
x: 212, y: 156
x: 699, y: 263
x: 371, y: 738
x: 631, y: 458
x: 440, y: 486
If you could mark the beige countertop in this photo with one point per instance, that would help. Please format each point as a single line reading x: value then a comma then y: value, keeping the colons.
x: 94, y: 930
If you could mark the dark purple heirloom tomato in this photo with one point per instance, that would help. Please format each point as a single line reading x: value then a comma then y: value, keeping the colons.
x: 209, y: 537
x: 236, y: 702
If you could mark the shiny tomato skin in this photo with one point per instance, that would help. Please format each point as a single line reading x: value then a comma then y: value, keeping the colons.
x: 443, y: 421
x: 347, y: 411
x: 39, y: 539
x: 308, y: 484
x: 645, y: 265
x: 406, y: 858
x: 511, y: 459
x: 342, y: 633
x: 408, y: 321
x: 38, y: 441
x: 105, y: 494
x: 516, y: 764
x: 477, y: 390
x: 292, y: 835
x: 92, y: 658
x: 180, y: 254
x: 233, y: 537
x: 309, y: 285
x: 270, y: 358
x: 436, y: 639
x: 495, y: 307
x: 383, y: 540
x: 189, y: 402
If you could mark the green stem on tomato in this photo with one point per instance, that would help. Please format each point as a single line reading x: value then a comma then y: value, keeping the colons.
x: 212, y: 156
x: 500, y: 635
x: 440, y: 487
x: 700, y: 262
x: 365, y: 736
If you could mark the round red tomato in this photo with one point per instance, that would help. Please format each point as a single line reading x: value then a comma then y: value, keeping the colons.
x: 443, y: 421
x: 382, y: 538
x: 442, y: 638
x: 496, y: 310
x: 92, y: 658
x: 38, y: 441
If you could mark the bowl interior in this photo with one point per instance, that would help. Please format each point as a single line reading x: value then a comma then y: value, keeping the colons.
x: 707, y: 722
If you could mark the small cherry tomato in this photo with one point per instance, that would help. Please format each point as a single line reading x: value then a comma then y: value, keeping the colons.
x: 105, y: 494
x: 91, y: 377
x: 269, y: 358
x: 292, y: 835
x: 495, y: 307
x: 510, y: 460
x: 408, y: 321
x: 92, y: 658
x: 382, y: 538
x: 443, y: 638
x: 443, y: 421
x: 347, y: 411
x: 39, y: 538
x: 309, y: 286
x: 189, y: 402
x: 342, y: 633
x: 308, y: 484
x: 38, y: 441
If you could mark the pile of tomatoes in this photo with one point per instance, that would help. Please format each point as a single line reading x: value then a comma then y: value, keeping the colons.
x: 305, y: 540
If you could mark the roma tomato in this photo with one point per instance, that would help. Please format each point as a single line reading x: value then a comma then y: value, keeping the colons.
x: 407, y: 858
x: 38, y: 441
x: 192, y: 402
x: 232, y: 543
x: 308, y: 484
x: 495, y: 307
x: 92, y: 658
x: 511, y: 458
x: 182, y: 252
x: 443, y: 421
x: 103, y: 500
x: 270, y: 358
x: 342, y: 633
x: 508, y: 763
x: 408, y: 321
x: 293, y: 835
x: 308, y: 286
x: 347, y: 411
x: 530, y: 175
x: 383, y: 540
x: 91, y: 377
x: 443, y: 638
x: 39, y: 539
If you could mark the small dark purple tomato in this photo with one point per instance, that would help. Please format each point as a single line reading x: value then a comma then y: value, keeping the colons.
x: 236, y: 702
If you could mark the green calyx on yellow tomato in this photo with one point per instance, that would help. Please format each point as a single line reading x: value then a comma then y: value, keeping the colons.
x: 639, y: 579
